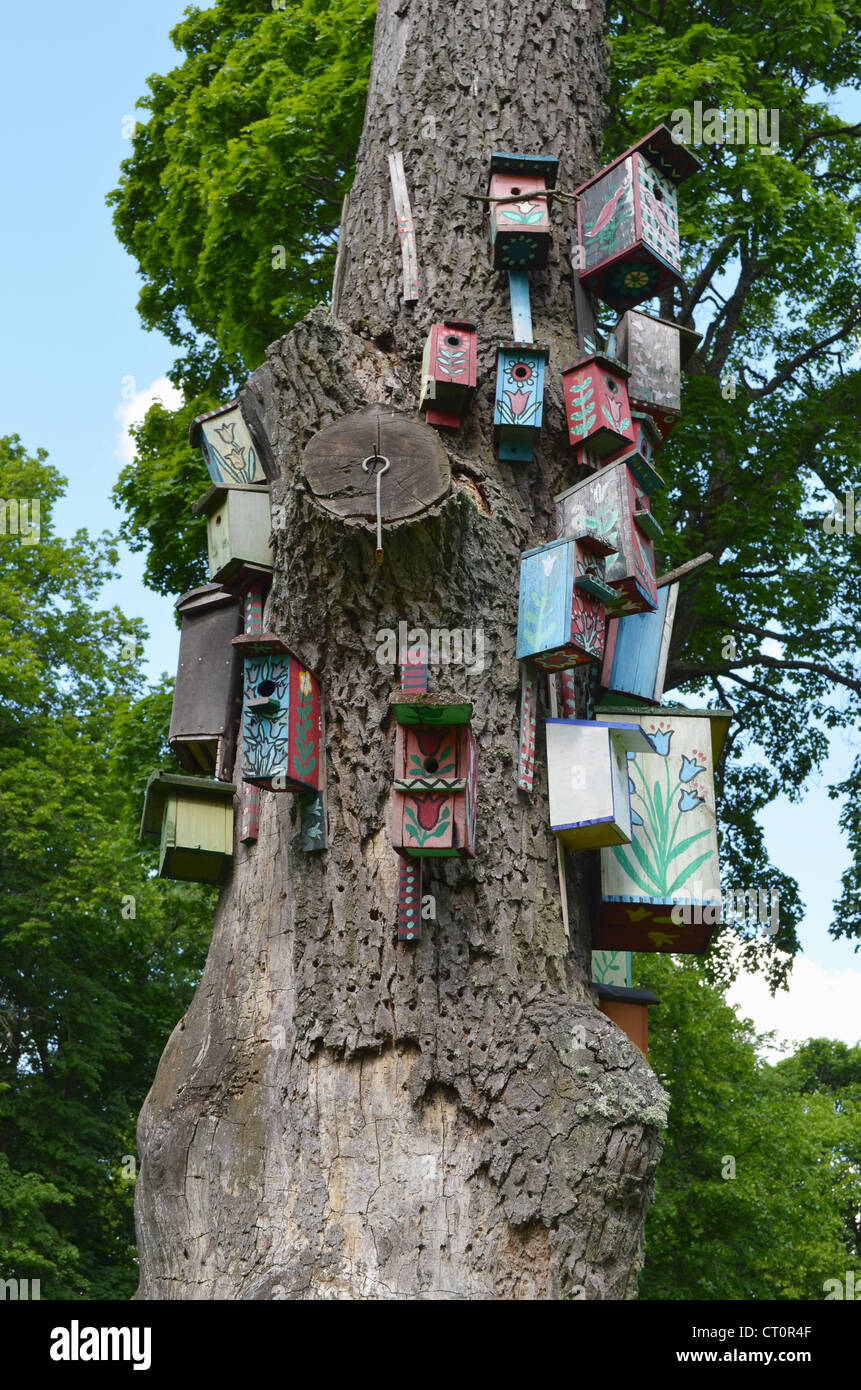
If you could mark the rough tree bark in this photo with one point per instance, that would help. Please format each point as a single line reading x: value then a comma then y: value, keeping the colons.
x: 340, y: 1116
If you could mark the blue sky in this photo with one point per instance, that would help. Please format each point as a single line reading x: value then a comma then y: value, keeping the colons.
x: 72, y: 337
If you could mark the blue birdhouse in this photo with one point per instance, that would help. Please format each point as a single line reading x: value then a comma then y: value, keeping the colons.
x: 519, y: 406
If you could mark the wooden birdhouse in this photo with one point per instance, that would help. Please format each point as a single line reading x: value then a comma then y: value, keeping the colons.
x: 448, y: 372
x: 628, y: 223
x: 612, y: 504
x: 435, y: 791
x: 655, y: 352
x: 520, y: 217
x: 194, y: 818
x: 563, y: 597
x: 596, y: 405
x: 230, y: 454
x: 238, y: 526
x: 205, y: 712
x: 587, y: 778
x: 281, y: 717
x: 663, y: 892
x: 629, y: 1010
x: 519, y: 406
x: 639, y: 456
x: 636, y: 650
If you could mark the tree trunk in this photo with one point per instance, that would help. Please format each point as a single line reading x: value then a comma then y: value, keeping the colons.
x: 340, y: 1115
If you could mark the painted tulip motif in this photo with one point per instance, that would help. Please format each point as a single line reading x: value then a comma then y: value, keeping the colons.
x: 428, y: 816
x: 653, y: 858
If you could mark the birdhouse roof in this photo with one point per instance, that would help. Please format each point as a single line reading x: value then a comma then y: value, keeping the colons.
x: 162, y: 784
x: 268, y: 644
x: 204, y: 597
x: 540, y: 165
x: 624, y: 995
x: 669, y: 157
x: 603, y: 359
x: 629, y: 736
x: 195, y: 426
x: 215, y: 495
x: 512, y: 346
x: 418, y: 707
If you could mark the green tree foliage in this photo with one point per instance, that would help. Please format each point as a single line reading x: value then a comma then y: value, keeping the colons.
x: 98, y: 957
x: 771, y: 277
x: 789, y: 1133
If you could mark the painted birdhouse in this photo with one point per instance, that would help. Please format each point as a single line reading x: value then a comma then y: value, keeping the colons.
x: 520, y: 218
x: 435, y: 791
x: 205, y: 713
x: 448, y: 372
x: 238, y: 526
x: 636, y: 650
x: 230, y: 455
x: 628, y: 223
x: 194, y: 819
x: 596, y: 405
x: 611, y: 504
x: 563, y: 597
x: 655, y: 352
x: 281, y: 716
x: 587, y: 778
x: 629, y: 1010
x: 519, y: 407
x: 663, y: 892
x: 639, y: 456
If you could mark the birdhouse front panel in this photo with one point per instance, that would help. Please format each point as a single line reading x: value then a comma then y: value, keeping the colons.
x: 655, y: 351
x: 628, y: 232
x: 448, y: 372
x: 520, y: 222
x: 637, y: 648
x: 519, y: 406
x: 435, y: 791
x: 282, y: 719
x: 238, y: 526
x: 611, y: 504
x: 227, y: 447
x: 596, y: 405
x: 561, y: 613
x: 193, y: 820
x: 205, y: 711
x: 662, y: 893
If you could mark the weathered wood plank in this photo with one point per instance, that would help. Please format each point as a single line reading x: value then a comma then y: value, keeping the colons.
x: 406, y: 227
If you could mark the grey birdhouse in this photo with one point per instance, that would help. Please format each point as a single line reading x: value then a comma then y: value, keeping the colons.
x: 205, y: 714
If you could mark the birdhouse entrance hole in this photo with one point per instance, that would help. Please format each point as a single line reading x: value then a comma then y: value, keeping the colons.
x: 431, y: 765
x: 266, y: 688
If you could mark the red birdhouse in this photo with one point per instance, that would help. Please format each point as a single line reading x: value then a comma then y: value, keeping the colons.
x: 448, y: 372
x: 628, y: 224
x: 638, y: 456
x: 596, y: 405
x: 436, y: 783
x: 520, y: 222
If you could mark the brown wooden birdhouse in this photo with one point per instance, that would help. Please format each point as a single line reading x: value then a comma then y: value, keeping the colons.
x: 628, y: 223
x: 596, y: 405
x: 611, y: 504
x: 629, y: 1010
x: 519, y: 214
x: 205, y: 713
x: 435, y: 791
x: 448, y: 372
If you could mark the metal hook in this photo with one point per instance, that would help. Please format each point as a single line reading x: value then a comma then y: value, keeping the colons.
x: 378, y: 458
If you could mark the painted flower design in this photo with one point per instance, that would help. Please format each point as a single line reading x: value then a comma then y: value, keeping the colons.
x: 519, y: 250
x: 547, y: 563
x: 428, y: 809
x: 689, y: 797
x: 305, y: 683
x: 518, y: 373
x: 691, y: 766
x: 636, y: 818
x: 636, y: 279
x: 660, y: 739
x: 519, y: 401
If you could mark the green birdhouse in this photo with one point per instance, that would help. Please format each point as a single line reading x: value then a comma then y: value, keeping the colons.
x: 193, y: 816
x: 238, y: 526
